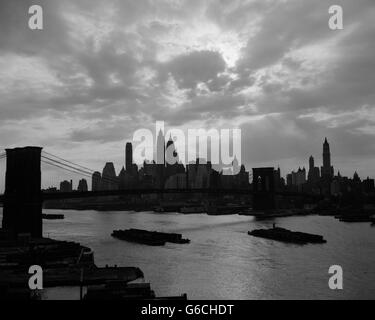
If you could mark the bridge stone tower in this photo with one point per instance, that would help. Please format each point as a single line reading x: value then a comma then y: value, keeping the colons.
x: 22, y: 212
x: 263, y: 189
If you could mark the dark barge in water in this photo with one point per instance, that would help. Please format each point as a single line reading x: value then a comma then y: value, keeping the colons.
x: 356, y: 218
x: 152, y: 238
x: 52, y: 216
x: 284, y: 235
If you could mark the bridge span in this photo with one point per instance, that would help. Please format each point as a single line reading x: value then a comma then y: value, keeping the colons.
x: 23, y: 197
x: 125, y: 192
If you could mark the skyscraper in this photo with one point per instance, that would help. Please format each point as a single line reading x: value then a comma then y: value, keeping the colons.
x: 96, y: 181
x: 311, y: 163
x: 109, y: 178
x: 82, y: 185
x: 327, y: 169
x: 160, y: 149
x: 128, y: 157
x: 66, y: 186
x: 314, y: 174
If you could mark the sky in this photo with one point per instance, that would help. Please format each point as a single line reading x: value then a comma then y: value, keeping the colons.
x: 100, y: 70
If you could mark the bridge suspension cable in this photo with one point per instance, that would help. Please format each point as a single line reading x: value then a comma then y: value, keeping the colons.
x: 76, y: 171
x: 66, y: 169
x: 71, y: 166
x: 75, y: 164
x: 67, y: 165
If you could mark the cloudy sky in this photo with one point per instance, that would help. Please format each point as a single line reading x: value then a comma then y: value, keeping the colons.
x: 102, y: 69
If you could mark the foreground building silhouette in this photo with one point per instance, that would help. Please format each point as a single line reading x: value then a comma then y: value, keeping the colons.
x: 64, y: 263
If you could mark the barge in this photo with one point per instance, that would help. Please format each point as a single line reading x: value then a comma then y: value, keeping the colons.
x: 152, y: 238
x: 133, y: 236
x: 284, y: 235
x: 355, y: 218
x: 192, y: 209
x: 51, y: 216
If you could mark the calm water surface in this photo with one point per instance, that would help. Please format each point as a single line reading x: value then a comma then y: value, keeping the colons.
x: 223, y: 262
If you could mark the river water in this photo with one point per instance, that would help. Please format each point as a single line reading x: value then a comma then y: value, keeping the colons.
x: 223, y: 261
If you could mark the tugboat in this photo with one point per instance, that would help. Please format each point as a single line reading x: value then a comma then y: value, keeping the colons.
x: 152, y: 238
x: 284, y: 235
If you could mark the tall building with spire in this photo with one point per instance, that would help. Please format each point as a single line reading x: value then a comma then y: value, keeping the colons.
x: 160, y: 149
x: 327, y: 169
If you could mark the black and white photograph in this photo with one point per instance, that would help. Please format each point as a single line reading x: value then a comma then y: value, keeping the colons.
x: 177, y: 151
